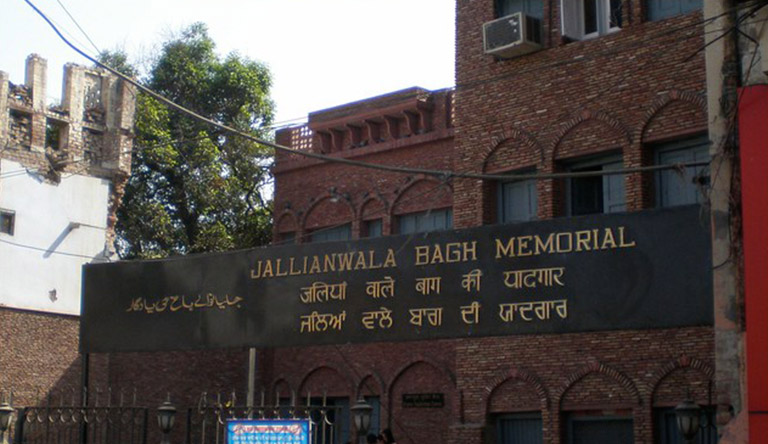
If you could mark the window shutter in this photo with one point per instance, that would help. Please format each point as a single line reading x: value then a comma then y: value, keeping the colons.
x: 570, y: 19
x: 613, y: 190
x: 518, y: 201
x: 534, y: 8
x: 687, y: 6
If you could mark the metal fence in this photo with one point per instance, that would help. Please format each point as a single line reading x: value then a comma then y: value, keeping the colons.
x: 207, y: 424
x: 64, y: 422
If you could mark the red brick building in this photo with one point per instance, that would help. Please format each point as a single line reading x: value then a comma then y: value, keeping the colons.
x: 613, y: 85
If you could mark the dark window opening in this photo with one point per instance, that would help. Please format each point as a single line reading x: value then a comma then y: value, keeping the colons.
x: 519, y: 428
x: 330, y: 234
x: 7, y: 222
x: 662, y: 9
x: 425, y: 221
x: 587, y: 429
x: 590, y: 16
x: 531, y: 8
x: 288, y: 237
x: 54, y: 134
x: 596, y: 194
x: 372, y: 228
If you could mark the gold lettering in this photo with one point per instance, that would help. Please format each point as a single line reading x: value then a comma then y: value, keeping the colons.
x: 434, y: 316
x: 278, y: 273
x: 291, y: 263
x: 384, y: 317
x: 470, y: 250
x: 422, y: 254
x: 541, y: 310
x: 267, y: 269
x: 623, y: 243
x: 428, y: 285
x: 582, y: 240
x: 330, y: 262
x: 384, y: 288
x: 390, y: 260
x: 345, y: 260
x: 372, y: 264
x: 522, y: 246
x: 545, y: 247
x: 608, y: 240
x: 507, y: 250
x: 471, y: 279
x: 319, y: 322
x: 258, y: 273
x: 569, y: 237
x: 470, y: 313
x: 437, y: 255
x: 315, y: 267
x: 360, y: 264
x: 453, y: 252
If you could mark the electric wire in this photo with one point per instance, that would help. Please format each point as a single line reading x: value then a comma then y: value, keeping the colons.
x: 323, y: 157
x: 78, y: 26
x: 46, y: 250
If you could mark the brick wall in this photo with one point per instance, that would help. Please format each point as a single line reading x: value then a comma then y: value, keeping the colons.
x: 617, y: 94
x: 39, y: 357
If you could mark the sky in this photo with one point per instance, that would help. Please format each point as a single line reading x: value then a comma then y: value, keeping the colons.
x: 322, y: 53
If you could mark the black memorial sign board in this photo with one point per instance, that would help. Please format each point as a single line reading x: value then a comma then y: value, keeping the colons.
x: 423, y: 400
x: 647, y: 269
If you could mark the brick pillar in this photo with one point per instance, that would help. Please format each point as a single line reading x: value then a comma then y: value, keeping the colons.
x: 4, y: 87
x: 73, y: 101
x: 36, y: 79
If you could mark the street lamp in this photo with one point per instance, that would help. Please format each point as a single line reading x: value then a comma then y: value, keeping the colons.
x: 6, y: 413
x: 166, y: 414
x: 688, y: 415
x: 362, y: 413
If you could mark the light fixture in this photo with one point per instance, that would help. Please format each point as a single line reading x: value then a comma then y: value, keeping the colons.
x: 166, y: 415
x: 361, y: 412
x: 6, y: 413
x: 688, y: 415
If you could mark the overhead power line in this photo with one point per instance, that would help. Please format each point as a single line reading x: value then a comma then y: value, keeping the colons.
x: 78, y: 26
x: 445, y: 174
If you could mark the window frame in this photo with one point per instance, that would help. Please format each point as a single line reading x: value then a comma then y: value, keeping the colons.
x: 573, y: 17
x: 691, y: 144
x: 533, y: 415
x: 416, y: 214
x: 345, y: 228
x: 603, y: 160
x: 572, y: 418
x: 663, y: 15
x: 7, y: 215
x: 366, y: 228
x: 525, y: 8
x: 500, y: 198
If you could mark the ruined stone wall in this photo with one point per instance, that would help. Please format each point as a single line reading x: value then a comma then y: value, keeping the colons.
x: 88, y: 134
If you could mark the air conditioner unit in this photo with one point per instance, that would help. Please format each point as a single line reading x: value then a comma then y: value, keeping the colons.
x: 512, y: 36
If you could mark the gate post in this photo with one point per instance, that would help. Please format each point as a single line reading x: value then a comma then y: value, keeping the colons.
x: 18, y: 437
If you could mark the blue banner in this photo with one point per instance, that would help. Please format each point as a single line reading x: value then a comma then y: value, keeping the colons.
x: 267, y: 431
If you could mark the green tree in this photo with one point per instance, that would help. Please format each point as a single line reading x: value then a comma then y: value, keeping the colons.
x: 194, y: 188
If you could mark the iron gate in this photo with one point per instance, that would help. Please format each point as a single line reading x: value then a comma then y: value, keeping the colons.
x: 68, y: 423
x: 207, y: 424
